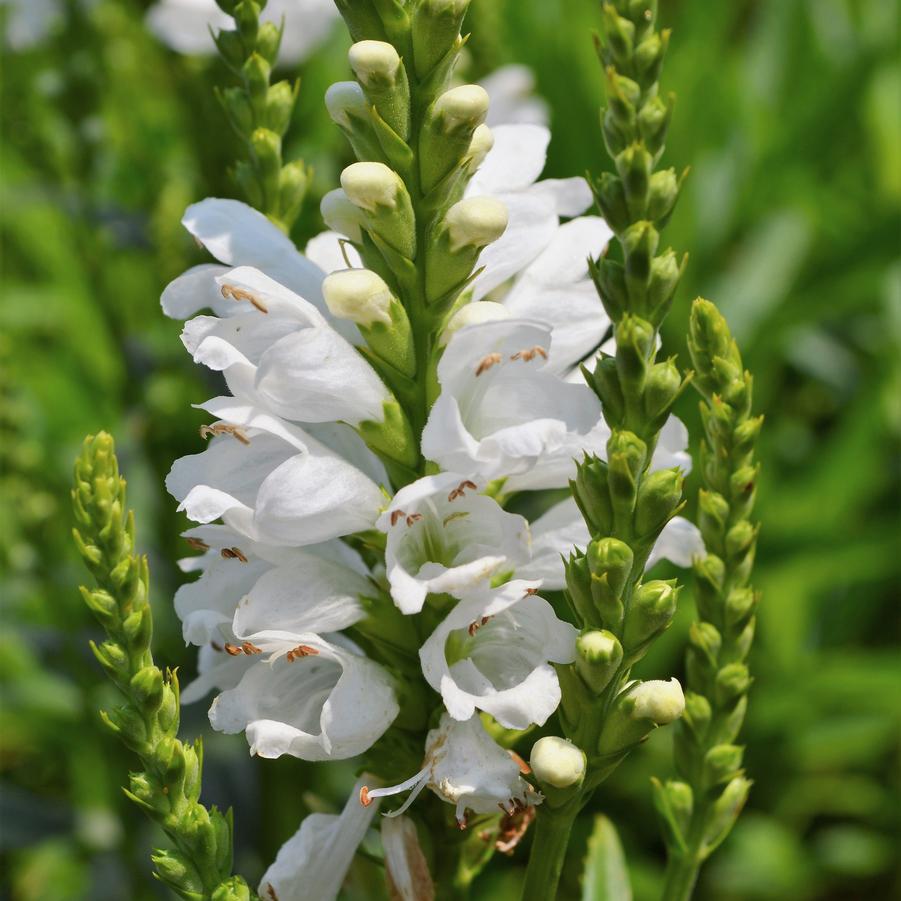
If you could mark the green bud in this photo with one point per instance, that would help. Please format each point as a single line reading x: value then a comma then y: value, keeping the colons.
x: 269, y: 38
x: 634, y: 168
x: 609, y: 278
x: 233, y: 889
x: 732, y: 681
x: 649, y: 57
x: 129, y: 725
x: 435, y: 31
x: 725, y: 812
x: 740, y: 538
x: 379, y: 69
x: 666, y: 272
x: 280, y: 100
x: 102, y: 604
x: 266, y: 146
x: 246, y: 179
x: 611, y: 199
x: 709, y: 338
x: 230, y: 47
x: 598, y: 656
x: 662, y: 195
x: 247, y: 17
x: 637, y: 711
x: 167, y: 715
x: 662, y: 386
x: 674, y: 802
x: 256, y: 73
x: 147, y: 688
x: 393, y: 436
x: 578, y: 587
x: 610, y: 564
x: 635, y: 344
x: 362, y: 19
x: 740, y: 605
x: 238, y: 110
x: 591, y: 493
x: 722, y: 763
x: 623, y: 97
x: 640, y: 242
x: 705, y: 639
x: 713, y: 514
x: 620, y: 36
x: 651, y: 611
x: 659, y: 498
x: 112, y: 657
x: 604, y: 381
x: 293, y: 181
x: 697, y: 716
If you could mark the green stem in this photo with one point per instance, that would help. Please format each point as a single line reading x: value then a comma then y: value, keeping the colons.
x: 681, y: 877
x: 552, y: 829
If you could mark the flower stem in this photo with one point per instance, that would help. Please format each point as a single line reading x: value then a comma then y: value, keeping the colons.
x: 681, y: 877
x: 552, y: 831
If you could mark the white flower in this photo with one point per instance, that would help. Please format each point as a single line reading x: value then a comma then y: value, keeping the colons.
x: 658, y: 700
x: 312, y: 864
x: 185, y: 24
x: 465, y: 767
x: 511, y: 89
x: 310, y: 698
x: 557, y: 761
x: 493, y: 653
x: 501, y: 412
x: 562, y: 528
x: 28, y: 22
x: 405, y: 864
x: 445, y: 537
x: 272, y: 482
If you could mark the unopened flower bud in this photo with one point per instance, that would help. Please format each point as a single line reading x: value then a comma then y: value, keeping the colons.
x: 598, y: 655
x: 473, y: 314
x: 475, y: 222
x: 358, y: 295
x: 651, y: 611
x: 661, y: 388
x: 722, y: 763
x: 662, y: 194
x: 658, y: 700
x: 341, y: 215
x: 436, y: 28
x: 697, y: 714
x: 659, y: 496
x: 462, y: 107
x: 557, y: 762
x: 732, y: 681
x: 371, y: 185
x: 375, y: 63
x: 345, y: 99
x: 481, y: 143
x: 610, y: 562
x: 666, y: 270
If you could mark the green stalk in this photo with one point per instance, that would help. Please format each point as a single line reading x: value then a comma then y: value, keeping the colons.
x: 260, y: 113
x: 699, y: 810
x: 552, y: 832
x: 168, y: 786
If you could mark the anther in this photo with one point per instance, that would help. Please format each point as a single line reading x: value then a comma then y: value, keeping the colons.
x: 413, y: 517
x: 397, y: 515
x: 487, y: 363
x: 530, y: 591
x: 241, y: 294
x: 528, y: 355
x: 365, y: 800
x: 198, y: 544
x: 475, y: 626
x: 216, y: 646
x: 232, y: 650
x: 302, y: 650
x: 224, y: 428
x: 233, y: 553
x: 249, y: 648
x: 460, y: 490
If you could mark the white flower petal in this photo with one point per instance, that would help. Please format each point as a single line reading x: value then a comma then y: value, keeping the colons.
x: 514, y: 162
x: 325, y: 250
x: 679, y: 542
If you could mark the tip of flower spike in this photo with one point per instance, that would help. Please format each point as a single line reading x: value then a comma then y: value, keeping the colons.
x: 371, y: 185
x: 374, y: 61
x: 465, y: 104
x: 475, y: 222
x: 358, y: 295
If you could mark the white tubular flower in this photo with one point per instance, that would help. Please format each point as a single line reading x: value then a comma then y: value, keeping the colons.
x: 310, y: 698
x: 184, y: 25
x: 344, y: 218
x: 493, y: 653
x: 482, y: 141
x: 405, y: 864
x: 344, y: 99
x: 467, y: 768
x: 374, y: 62
x: 314, y: 861
x: 556, y: 532
x: 445, y: 537
x: 283, y: 355
x: 658, y: 700
x: 29, y: 22
x: 475, y: 222
x: 271, y: 482
x: 371, y: 185
x: 473, y: 314
x: 501, y: 412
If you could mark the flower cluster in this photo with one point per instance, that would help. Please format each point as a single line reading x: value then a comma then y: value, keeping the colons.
x: 361, y: 575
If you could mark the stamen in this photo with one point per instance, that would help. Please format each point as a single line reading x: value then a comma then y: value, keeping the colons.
x: 224, y: 428
x: 198, y: 544
x: 530, y: 591
x: 487, y: 363
x: 460, y: 490
x: 302, y: 650
x: 216, y: 646
x: 232, y: 650
x: 413, y: 517
x: 460, y: 514
x: 474, y: 627
x: 529, y: 354
x: 397, y: 515
x: 524, y: 768
x: 242, y: 294
x: 365, y: 800
x: 513, y: 827
x: 249, y: 648
x: 233, y: 553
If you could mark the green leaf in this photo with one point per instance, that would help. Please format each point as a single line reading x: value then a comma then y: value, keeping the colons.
x: 606, y: 877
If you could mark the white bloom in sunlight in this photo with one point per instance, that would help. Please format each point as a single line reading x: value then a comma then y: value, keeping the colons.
x: 556, y: 532
x: 445, y: 537
x: 272, y: 482
x: 29, y: 22
x: 185, y: 24
x: 279, y: 352
x: 513, y: 101
x: 310, y: 698
x: 493, y: 653
x: 312, y: 864
x: 501, y: 412
x: 467, y: 768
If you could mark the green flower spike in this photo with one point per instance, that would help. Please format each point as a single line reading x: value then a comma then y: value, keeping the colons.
x: 700, y: 808
x: 198, y: 866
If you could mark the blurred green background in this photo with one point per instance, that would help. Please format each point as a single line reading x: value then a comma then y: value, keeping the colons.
x: 789, y: 114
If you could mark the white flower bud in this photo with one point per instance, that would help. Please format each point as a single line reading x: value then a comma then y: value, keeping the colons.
x: 474, y: 222
x: 358, y: 295
x: 660, y: 701
x: 481, y: 143
x: 557, y: 762
x: 467, y: 104
x: 473, y: 314
x: 341, y: 215
x: 374, y: 62
x: 346, y: 98
x: 370, y: 185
